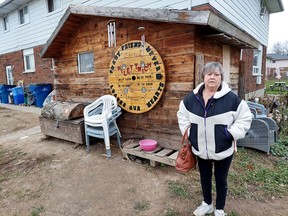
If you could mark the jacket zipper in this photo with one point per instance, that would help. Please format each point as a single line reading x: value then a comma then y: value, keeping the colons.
x: 205, y: 117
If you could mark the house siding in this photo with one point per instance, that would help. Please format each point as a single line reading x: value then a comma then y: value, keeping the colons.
x: 244, y: 14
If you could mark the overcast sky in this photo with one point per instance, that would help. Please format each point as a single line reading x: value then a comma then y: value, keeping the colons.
x: 278, y: 30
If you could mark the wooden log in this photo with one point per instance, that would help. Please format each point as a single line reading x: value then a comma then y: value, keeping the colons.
x: 62, y: 110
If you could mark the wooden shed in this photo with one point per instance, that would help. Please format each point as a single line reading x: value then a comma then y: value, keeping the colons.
x: 176, y: 44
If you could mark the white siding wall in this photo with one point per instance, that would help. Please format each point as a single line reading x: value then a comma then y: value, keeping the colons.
x: 244, y: 13
x: 279, y: 63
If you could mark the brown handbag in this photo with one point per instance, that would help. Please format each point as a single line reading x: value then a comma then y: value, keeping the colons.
x: 186, y: 160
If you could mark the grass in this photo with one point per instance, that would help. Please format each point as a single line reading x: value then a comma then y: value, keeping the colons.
x: 253, y: 175
x: 170, y: 212
x: 179, y: 189
x: 37, y: 211
x: 141, y: 206
x: 271, y: 82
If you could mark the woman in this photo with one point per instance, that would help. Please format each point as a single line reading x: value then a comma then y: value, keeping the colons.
x: 215, y: 118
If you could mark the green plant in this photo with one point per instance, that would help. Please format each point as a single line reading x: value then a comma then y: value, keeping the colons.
x: 170, y: 212
x: 141, y: 206
x: 258, y: 177
x: 178, y: 189
x: 37, y: 210
x: 233, y: 213
x: 280, y: 149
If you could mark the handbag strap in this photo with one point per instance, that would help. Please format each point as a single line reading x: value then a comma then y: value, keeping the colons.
x: 185, y: 133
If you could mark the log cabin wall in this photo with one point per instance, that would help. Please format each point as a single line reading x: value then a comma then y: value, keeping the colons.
x: 176, y: 45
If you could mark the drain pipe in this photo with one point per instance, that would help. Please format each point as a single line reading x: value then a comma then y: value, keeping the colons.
x: 189, y: 4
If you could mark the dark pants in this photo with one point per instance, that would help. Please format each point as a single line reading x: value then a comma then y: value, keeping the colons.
x: 221, y: 173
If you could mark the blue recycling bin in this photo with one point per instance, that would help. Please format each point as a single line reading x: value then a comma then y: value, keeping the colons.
x: 5, y: 90
x: 40, y: 92
x: 18, y: 95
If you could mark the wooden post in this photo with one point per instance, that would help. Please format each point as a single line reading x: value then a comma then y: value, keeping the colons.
x: 199, y: 64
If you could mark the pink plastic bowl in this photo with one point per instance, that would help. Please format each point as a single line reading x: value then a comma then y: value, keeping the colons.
x: 148, y: 144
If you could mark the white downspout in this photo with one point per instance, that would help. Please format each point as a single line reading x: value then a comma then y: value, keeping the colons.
x: 189, y: 4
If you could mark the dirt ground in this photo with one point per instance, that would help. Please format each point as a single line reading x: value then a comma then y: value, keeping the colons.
x: 40, y: 176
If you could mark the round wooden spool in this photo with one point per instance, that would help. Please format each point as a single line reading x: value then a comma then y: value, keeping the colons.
x: 137, y: 77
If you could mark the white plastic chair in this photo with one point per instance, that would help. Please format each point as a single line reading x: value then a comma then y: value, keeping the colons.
x: 100, y: 121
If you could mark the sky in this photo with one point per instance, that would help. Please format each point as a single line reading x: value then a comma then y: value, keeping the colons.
x: 278, y: 30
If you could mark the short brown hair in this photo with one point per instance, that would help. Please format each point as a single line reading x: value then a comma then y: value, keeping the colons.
x: 211, y: 67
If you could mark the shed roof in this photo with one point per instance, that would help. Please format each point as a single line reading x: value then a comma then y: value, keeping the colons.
x: 229, y: 34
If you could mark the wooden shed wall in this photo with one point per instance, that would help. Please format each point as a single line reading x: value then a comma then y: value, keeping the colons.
x: 177, y: 47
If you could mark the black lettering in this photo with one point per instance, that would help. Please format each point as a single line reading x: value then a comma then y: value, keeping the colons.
x: 158, y: 68
x: 148, y: 49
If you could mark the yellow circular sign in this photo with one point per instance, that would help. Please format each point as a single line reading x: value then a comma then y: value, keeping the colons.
x: 137, y: 77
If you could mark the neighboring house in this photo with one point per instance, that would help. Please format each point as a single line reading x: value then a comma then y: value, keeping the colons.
x: 276, y: 60
x: 27, y: 25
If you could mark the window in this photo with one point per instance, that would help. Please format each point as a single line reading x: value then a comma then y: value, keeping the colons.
x: 257, y: 65
x: 86, y: 62
x: 29, y: 63
x: 23, y: 15
x: 5, y: 23
x: 263, y: 9
x: 53, y: 5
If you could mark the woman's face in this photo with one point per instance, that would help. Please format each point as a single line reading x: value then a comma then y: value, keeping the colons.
x: 212, y: 80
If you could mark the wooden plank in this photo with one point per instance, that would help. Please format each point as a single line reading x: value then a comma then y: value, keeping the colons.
x: 163, y: 15
x: 164, y: 152
x: 174, y: 155
x: 180, y: 86
x: 131, y: 145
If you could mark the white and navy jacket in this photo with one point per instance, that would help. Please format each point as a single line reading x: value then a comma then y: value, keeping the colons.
x: 213, y: 128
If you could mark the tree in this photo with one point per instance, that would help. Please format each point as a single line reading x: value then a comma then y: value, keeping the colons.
x: 280, y: 48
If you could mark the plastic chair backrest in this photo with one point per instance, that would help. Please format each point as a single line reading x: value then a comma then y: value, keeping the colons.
x: 102, y: 106
x: 258, y: 110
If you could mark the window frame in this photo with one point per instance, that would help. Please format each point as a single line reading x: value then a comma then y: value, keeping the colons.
x: 79, y: 62
x: 257, y: 69
x: 56, y: 9
x: 26, y: 18
x: 31, y: 60
x: 5, y: 21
